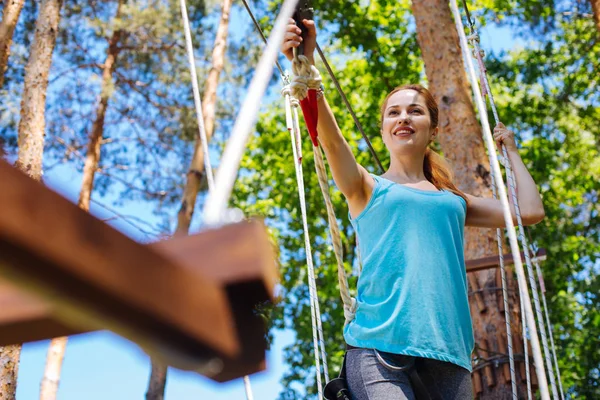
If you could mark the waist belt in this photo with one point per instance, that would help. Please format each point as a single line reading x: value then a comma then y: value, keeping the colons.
x: 421, y: 381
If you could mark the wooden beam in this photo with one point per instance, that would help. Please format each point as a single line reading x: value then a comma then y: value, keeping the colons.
x: 25, y: 318
x: 493, y: 261
x: 97, y: 278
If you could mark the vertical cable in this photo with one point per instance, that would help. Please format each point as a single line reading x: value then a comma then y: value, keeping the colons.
x: 512, y: 235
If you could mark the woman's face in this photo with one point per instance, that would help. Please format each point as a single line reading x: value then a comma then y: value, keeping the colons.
x: 406, y: 126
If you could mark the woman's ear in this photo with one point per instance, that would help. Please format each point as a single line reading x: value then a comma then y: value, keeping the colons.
x: 434, y: 135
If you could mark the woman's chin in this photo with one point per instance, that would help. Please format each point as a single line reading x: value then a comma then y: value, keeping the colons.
x: 402, y: 146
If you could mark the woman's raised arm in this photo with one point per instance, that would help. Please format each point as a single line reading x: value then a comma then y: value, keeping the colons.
x: 488, y: 213
x: 351, y: 178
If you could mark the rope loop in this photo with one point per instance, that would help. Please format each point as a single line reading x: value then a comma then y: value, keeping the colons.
x: 286, y: 91
x: 306, y: 76
x: 350, y: 310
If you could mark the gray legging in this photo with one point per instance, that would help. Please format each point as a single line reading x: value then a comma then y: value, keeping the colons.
x: 371, y: 377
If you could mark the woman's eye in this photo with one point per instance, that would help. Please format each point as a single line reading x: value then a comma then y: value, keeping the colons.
x: 416, y: 111
x: 393, y: 113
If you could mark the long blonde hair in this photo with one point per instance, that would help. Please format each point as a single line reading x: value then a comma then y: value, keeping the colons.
x: 435, y: 167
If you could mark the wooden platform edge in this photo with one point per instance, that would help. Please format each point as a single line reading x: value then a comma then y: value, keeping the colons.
x: 494, y: 261
x: 56, y: 264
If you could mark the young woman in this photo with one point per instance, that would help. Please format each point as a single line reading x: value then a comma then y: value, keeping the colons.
x: 412, y: 297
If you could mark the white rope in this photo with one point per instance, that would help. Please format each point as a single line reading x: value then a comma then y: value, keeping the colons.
x: 499, y: 240
x: 314, y: 304
x: 248, y: 388
x: 548, y: 324
x: 512, y: 235
x: 217, y: 201
x: 307, y: 76
x: 509, y: 339
x: 474, y: 38
x: 525, y: 346
x: 197, y: 101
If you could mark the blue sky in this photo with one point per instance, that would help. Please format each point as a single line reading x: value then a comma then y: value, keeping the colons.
x: 104, y: 366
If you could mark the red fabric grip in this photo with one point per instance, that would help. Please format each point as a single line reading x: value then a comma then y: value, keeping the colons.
x: 310, y: 111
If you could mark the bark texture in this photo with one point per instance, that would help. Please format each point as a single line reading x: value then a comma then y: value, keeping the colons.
x: 92, y: 157
x: 596, y: 9
x: 9, y: 369
x: 461, y: 140
x: 56, y: 351
x: 157, y: 383
x: 12, y: 10
x: 31, y: 134
x: 196, y: 171
x: 33, y: 103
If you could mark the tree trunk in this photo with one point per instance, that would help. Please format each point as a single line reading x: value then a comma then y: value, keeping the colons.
x: 158, y: 375
x: 12, y: 10
x: 56, y: 351
x: 9, y: 369
x: 93, y: 152
x: 196, y: 171
x: 33, y: 103
x: 595, y: 8
x: 158, y: 381
x: 461, y: 140
x: 31, y: 134
x: 54, y: 360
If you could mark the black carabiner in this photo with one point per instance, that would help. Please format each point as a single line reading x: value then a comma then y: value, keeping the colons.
x: 303, y: 11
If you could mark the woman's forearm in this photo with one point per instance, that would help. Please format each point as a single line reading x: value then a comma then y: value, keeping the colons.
x: 346, y: 172
x: 528, y: 196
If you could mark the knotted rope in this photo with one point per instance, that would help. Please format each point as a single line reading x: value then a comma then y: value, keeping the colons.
x: 317, y: 329
x: 307, y: 80
x: 485, y: 85
x: 306, y: 76
x: 512, y: 235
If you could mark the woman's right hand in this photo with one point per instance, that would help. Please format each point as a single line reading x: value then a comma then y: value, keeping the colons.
x: 293, y: 39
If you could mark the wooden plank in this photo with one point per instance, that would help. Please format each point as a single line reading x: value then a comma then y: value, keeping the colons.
x: 246, y: 273
x: 25, y: 318
x: 493, y: 261
x: 98, y: 278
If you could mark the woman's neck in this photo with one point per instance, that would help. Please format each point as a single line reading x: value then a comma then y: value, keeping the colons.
x: 406, y: 170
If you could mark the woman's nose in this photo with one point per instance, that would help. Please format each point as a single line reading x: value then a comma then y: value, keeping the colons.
x: 404, y: 118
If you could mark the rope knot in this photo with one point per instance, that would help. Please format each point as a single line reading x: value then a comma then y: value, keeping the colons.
x: 286, y: 91
x: 350, y: 310
x: 306, y: 76
x: 473, y: 38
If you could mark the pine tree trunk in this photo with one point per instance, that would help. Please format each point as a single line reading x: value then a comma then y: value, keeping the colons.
x: 158, y: 381
x: 196, y: 171
x: 93, y: 152
x: 33, y: 103
x: 595, y: 8
x: 12, y: 10
x: 31, y: 137
x: 54, y: 361
x: 9, y: 369
x: 56, y: 351
x: 462, y: 143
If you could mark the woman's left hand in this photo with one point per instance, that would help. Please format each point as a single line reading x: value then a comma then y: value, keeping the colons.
x: 504, y: 136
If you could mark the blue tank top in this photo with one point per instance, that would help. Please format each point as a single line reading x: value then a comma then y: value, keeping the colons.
x: 412, y: 293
